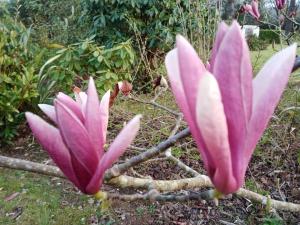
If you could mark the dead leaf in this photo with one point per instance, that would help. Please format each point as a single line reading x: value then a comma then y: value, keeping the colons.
x: 11, y: 197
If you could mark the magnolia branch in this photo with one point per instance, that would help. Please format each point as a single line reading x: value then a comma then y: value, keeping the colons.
x: 144, y: 156
x: 154, y: 195
x: 160, y: 185
x: 168, y: 152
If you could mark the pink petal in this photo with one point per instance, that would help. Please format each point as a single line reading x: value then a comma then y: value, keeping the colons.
x: 191, y: 69
x: 80, y: 97
x: 172, y: 66
x: 71, y: 104
x: 268, y: 86
x: 83, y: 99
x: 254, y: 5
x: 222, y: 29
x: 211, y: 118
x: 76, y: 137
x: 233, y: 72
x: 49, y: 110
x: 116, y: 149
x: 104, y: 113
x: 93, y: 123
x: 49, y: 137
x: 125, y: 87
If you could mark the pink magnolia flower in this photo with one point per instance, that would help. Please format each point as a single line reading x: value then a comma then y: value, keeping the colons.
x: 76, y: 145
x: 280, y: 4
x: 125, y: 87
x: 225, y: 109
x: 251, y: 9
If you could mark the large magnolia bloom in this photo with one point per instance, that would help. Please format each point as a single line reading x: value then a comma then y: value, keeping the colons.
x: 76, y: 145
x: 226, y: 109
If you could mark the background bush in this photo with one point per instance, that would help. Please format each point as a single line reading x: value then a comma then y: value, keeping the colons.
x: 18, y: 81
x: 75, y: 63
x: 270, y: 36
x: 256, y: 44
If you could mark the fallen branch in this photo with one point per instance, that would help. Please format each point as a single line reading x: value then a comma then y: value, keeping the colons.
x: 154, y: 195
x: 160, y: 185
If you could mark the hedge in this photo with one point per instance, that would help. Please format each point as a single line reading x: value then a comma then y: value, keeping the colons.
x: 269, y: 36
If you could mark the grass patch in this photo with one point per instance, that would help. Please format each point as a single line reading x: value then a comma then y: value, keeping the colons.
x: 252, y: 186
x: 41, y: 201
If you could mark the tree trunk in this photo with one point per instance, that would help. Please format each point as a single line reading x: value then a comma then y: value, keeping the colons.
x: 289, y: 24
x: 229, y: 10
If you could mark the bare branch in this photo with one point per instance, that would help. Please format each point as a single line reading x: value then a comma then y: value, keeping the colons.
x: 154, y: 195
x: 183, y: 166
x: 152, y: 152
x: 160, y: 185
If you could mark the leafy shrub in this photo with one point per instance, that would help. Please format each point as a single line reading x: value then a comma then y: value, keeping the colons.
x: 152, y: 27
x: 51, y: 21
x: 74, y: 64
x: 18, y: 80
x: 270, y: 36
x: 256, y: 44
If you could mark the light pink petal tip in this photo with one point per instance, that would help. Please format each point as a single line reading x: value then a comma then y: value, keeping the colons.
x: 49, y: 137
x: 191, y: 69
x: 116, y: 149
x: 49, y: 110
x: 268, y: 86
x: 172, y: 66
x: 104, y: 113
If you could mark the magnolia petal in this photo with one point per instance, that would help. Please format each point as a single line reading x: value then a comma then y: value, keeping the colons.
x: 125, y: 87
x: 254, y: 5
x: 104, y: 113
x: 222, y: 29
x: 172, y: 66
x: 268, y: 86
x: 51, y: 140
x: 248, y: 8
x: 76, y: 137
x: 233, y: 72
x: 191, y: 70
x: 71, y: 104
x: 49, y: 110
x: 83, y: 99
x: 93, y: 120
x: 211, y: 118
x: 116, y: 149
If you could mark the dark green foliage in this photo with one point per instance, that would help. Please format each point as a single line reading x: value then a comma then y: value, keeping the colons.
x: 18, y: 80
x: 155, y: 21
x: 270, y: 36
x: 152, y: 26
x: 256, y: 44
x: 74, y: 64
x: 54, y: 21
